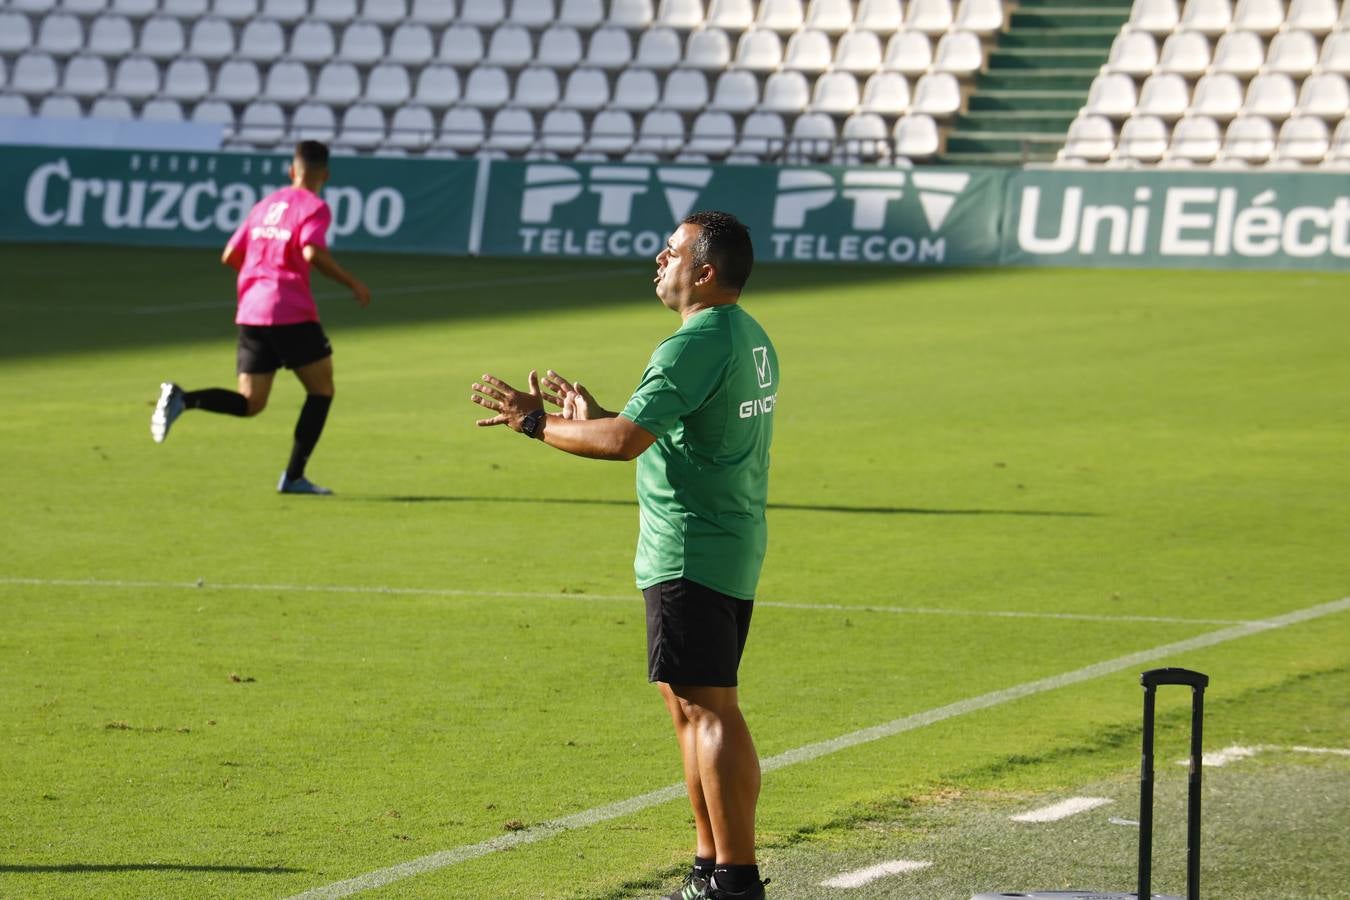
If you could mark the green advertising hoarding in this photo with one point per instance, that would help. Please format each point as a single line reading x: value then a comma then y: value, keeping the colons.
x: 887, y: 216
x: 176, y: 198
x: 1205, y: 218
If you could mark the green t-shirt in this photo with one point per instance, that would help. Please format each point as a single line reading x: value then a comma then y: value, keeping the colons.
x: 708, y: 395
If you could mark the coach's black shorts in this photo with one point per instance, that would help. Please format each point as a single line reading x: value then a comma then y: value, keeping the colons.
x: 266, y: 348
x: 695, y: 635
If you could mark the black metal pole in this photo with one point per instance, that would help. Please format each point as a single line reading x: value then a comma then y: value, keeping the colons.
x: 1146, y: 800
x: 1193, y: 795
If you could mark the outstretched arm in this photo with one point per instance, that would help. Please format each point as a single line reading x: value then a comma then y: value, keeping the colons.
x: 611, y: 437
x: 322, y: 260
x: 233, y: 256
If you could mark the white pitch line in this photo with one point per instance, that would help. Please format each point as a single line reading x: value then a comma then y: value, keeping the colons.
x: 1218, y: 758
x: 444, y: 858
x: 559, y: 595
x: 866, y: 876
x: 1062, y: 810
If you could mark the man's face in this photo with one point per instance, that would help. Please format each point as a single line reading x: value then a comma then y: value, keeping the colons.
x: 676, y: 275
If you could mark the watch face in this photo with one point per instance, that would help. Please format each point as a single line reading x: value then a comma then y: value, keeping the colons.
x: 530, y: 426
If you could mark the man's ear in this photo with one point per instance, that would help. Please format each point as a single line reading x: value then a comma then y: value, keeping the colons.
x: 707, y: 276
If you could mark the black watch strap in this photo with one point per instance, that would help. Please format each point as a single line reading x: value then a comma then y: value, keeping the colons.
x: 532, y: 425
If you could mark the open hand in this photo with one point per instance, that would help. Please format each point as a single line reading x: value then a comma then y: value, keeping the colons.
x: 510, y: 405
x: 575, y: 401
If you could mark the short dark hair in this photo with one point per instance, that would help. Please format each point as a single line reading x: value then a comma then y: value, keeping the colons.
x: 314, y: 154
x: 724, y: 243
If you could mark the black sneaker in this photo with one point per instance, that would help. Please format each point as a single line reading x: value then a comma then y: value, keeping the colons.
x: 713, y: 892
x: 690, y: 889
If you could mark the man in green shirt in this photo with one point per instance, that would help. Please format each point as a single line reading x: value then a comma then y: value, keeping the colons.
x: 699, y: 424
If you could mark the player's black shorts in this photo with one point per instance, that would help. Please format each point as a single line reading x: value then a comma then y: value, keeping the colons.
x: 266, y: 348
x: 695, y: 635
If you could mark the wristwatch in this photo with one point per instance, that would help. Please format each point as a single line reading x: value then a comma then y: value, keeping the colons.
x: 532, y: 426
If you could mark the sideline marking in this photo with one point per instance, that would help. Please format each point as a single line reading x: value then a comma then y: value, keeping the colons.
x: 872, y: 873
x: 1062, y: 810
x: 1236, y: 752
x: 445, y: 858
x: 202, y: 584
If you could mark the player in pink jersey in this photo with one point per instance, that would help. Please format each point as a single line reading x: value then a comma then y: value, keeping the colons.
x: 278, y: 321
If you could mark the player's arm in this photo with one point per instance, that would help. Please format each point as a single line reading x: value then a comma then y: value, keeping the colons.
x: 321, y: 259
x: 233, y: 256
x: 609, y: 436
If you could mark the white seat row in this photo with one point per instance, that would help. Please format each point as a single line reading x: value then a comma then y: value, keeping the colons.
x: 1237, y: 52
x: 1214, y: 17
x: 1221, y: 96
x: 1246, y: 139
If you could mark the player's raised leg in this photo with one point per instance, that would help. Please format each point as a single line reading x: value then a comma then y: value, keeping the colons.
x: 174, y: 401
x: 317, y: 378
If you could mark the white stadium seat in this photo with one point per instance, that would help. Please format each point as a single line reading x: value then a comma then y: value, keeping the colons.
x: 135, y: 9
x: 636, y: 90
x: 736, y: 91
x: 1239, y: 53
x: 1325, y: 95
x: 59, y: 106
x: 883, y: 16
x: 311, y: 42
x: 512, y: 130
x: 1158, y: 17
x: 436, y: 13
x: 1195, y: 139
x: 162, y: 38
x: 929, y: 16
x: 362, y: 43
x: 1305, y: 139
x: 658, y: 48
x: 388, y: 86
x: 287, y: 83
x: 865, y: 138
x: 633, y: 14
x: 183, y: 9
x: 1218, y: 96
x: 808, y: 51
x: 1336, y: 53
x: 1185, y: 53
x: 731, y: 15
x: 910, y: 52
x: 532, y: 14
x: 1340, y: 144
x: 362, y: 127
x: 483, y: 13
x: 1292, y: 52
x: 1165, y: 95
x: 85, y: 8
x: 12, y: 106
x: 1091, y: 138
x: 1250, y: 139
x: 708, y: 49
x: 60, y: 35
x: 812, y: 136
x: 411, y: 44
x: 916, y: 136
x: 980, y: 16
x: 186, y: 79
x: 661, y: 132
x: 262, y: 122
x: 759, y: 50
x: 112, y: 108
x: 586, y: 89
x: 1210, y: 17
x: 1143, y: 138
x: 782, y: 16
x: 958, y: 52
x: 412, y: 128
x: 262, y: 41
x: 137, y: 78
x: 885, y: 93
x: 537, y: 88
x: 213, y: 112
x: 713, y: 134
x: 1112, y: 94
x: 437, y: 87
x: 85, y: 76
x: 1261, y: 16
x: 162, y: 110
x: 1318, y: 16
x: 562, y: 131
x: 462, y: 129
x: 859, y: 52
x: 487, y: 87
x: 581, y: 13
x: 35, y: 74
x: 559, y: 47
x: 285, y: 11
x: 338, y: 83
x: 937, y: 94
x: 785, y: 92
x: 609, y: 48
x: 235, y: 10
x: 685, y: 90
x: 509, y: 47
x: 1272, y: 96
x: 462, y: 46
x: 830, y: 16
x: 763, y: 135
x: 611, y: 131
x: 1133, y: 53
x: 109, y: 36
x: 681, y: 14
x: 835, y: 93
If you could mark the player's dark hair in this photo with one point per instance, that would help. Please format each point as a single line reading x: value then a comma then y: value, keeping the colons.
x: 314, y: 154
x: 724, y: 243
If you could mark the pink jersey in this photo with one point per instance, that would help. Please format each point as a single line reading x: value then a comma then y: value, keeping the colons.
x: 274, y: 279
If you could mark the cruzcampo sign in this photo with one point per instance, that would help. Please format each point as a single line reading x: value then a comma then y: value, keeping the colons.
x: 795, y: 213
x: 194, y: 199
x: 1193, y: 219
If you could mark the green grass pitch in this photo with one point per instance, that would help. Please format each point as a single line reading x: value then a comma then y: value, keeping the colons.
x: 214, y: 691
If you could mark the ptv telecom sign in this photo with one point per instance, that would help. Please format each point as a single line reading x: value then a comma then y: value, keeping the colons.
x: 798, y: 214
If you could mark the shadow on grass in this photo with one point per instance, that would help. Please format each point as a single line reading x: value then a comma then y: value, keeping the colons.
x: 795, y: 507
x: 149, y: 867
